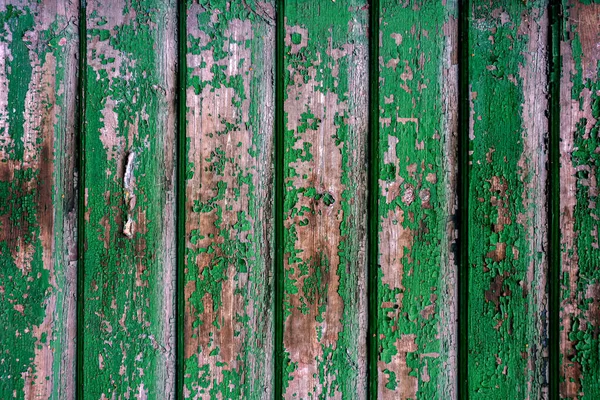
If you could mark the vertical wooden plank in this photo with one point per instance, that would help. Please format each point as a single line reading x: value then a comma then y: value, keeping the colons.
x: 579, y: 160
x: 228, y: 327
x: 418, y: 119
x: 325, y: 122
x: 507, y: 307
x: 38, y: 45
x: 128, y: 150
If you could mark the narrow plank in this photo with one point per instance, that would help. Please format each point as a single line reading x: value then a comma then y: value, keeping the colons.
x: 38, y: 47
x: 579, y: 160
x: 129, y: 153
x: 325, y: 122
x: 228, y: 327
x: 417, y: 200
x: 508, y: 130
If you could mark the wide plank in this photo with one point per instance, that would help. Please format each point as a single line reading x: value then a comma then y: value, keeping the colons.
x: 228, y: 320
x: 507, y: 217
x: 417, y: 200
x: 128, y: 150
x: 325, y: 105
x: 38, y: 207
x: 579, y: 203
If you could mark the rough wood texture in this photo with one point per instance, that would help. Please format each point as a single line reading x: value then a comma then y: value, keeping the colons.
x: 229, y: 318
x: 228, y: 324
x: 417, y: 200
x: 38, y: 45
x: 579, y: 160
x: 507, y: 308
x: 128, y: 150
x: 324, y: 299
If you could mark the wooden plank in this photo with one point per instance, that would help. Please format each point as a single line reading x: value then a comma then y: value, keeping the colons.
x: 325, y: 122
x: 228, y: 327
x: 129, y: 152
x: 579, y: 160
x: 508, y: 129
x: 38, y: 45
x: 418, y: 118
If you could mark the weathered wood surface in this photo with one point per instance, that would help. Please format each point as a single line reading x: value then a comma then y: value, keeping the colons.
x: 579, y: 160
x: 38, y: 48
x: 418, y: 116
x: 508, y: 130
x: 233, y: 332
x: 128, y: 265
x: 325, y: 130
x: 228, y: 334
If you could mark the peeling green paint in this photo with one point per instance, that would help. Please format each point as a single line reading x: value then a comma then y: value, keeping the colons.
x: 128, y: 264
x: 325, y: 116
x: 36, y: 107
x: 580, y: 144
x: 228, y: 258
x: 507, y: 307
x: 416, y: 328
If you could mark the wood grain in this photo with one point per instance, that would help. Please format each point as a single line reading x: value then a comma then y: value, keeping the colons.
x: 38, y: 66
x: 228, y: 327
x: 325, y: 121
x: 417, y: 298
x: 579, y: 160
x: 126, y: 346
x: 129, y: 236
x: 508, y: 129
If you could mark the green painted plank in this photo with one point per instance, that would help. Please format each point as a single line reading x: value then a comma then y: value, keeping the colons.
x: 325, y: 129
x: 508, y: 129
x: 417, y: 273
x: 128, y: 183
x: 38, y: 45
x: 579, y: 209
x: 228, y: 322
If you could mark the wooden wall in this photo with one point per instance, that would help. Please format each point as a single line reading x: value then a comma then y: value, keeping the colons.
x: 253, y: 199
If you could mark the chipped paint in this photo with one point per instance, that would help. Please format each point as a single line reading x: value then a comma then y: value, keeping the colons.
x: 579, y: 149
x: 38, y: 44
x: 325, y: 121
x: 129, y: 144
x: 417, y: 200
x: 127, y: 337
x: 507, y: 308
x: 228, y: 324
